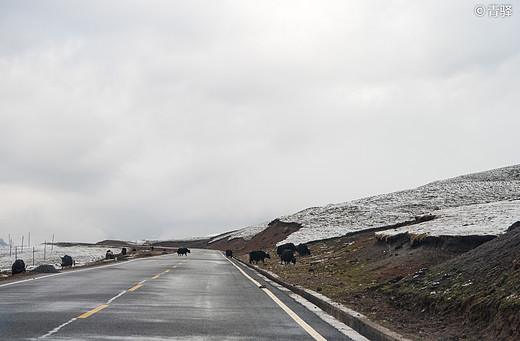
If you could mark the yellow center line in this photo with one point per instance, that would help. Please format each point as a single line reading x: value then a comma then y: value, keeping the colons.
x: 167, y: 271
x: 154, y: 277
x: 174, y: 266
x: 136, y: 287
x: 93, y: 311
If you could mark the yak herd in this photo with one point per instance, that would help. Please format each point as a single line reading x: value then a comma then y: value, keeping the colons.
x: 286, y: 252
x: 19, y: 266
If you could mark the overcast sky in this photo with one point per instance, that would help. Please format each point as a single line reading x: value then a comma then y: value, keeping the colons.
x: 169, y: 119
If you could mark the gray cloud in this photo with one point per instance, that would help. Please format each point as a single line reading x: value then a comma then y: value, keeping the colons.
x: 155, y: 120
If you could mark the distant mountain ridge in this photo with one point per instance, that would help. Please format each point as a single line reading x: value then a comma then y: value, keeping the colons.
x: 500, y: 186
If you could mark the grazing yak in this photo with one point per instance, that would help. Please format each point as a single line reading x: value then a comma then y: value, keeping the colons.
x: 287, y: 257
x: 18, y: 267
x: 66, y: 261
x: 123, y: 251
x: 286, y: 246
x: 303, y: 250
x: 229, y: 253
x: 258, y: 255
x: 110, y: 255
x: 182, y: 251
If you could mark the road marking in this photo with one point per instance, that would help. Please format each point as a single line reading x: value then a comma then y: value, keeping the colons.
x: 93, y: 311
x: 167, y: 271
x: 291, y: 313
x: 174, y: 266
x: 136, y: 287
x: 113, y: 298
x: 157, y: 276
x: 295, y: 317
x: 55, y: 330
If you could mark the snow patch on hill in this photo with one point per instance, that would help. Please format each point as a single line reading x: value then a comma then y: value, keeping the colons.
x: 467, y: 193
x: 247, y: 233
x: 481, y: 219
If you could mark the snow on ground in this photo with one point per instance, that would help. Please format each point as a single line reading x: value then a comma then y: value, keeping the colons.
x: 481, y: 219
x: 247, y: 233
x: 335, y: 220
x: 80, y: 254
x: 384, y: 210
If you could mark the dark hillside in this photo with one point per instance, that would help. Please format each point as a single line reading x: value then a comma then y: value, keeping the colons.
x: 481, y: 286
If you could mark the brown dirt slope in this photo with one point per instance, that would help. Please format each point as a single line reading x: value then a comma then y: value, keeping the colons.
x: 274, y: 233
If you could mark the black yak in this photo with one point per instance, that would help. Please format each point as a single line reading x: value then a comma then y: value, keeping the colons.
x: 18, y: 267
x: 303, y: 250
x: 183, y: 251
x: 66, y: 261
x: 287, y: 257
x: 286, y: 246
x: 255, y: 256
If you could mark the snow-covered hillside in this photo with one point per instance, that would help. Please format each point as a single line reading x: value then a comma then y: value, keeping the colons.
x: 455, y: 201
x: 247, y: 233
x: 480, y: 219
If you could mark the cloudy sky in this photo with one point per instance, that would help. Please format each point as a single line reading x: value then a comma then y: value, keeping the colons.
x: 169, y: 119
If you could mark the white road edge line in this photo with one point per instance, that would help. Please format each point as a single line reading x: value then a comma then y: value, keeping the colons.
x: 291, y: 313
x: 343, y: 328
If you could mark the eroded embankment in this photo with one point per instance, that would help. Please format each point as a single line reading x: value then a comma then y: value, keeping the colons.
x: 480, y: 288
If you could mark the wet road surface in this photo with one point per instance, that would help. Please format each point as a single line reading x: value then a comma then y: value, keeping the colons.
x: 200, y: 297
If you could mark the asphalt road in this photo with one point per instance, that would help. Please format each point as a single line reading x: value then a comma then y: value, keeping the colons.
x: 200, y: 297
